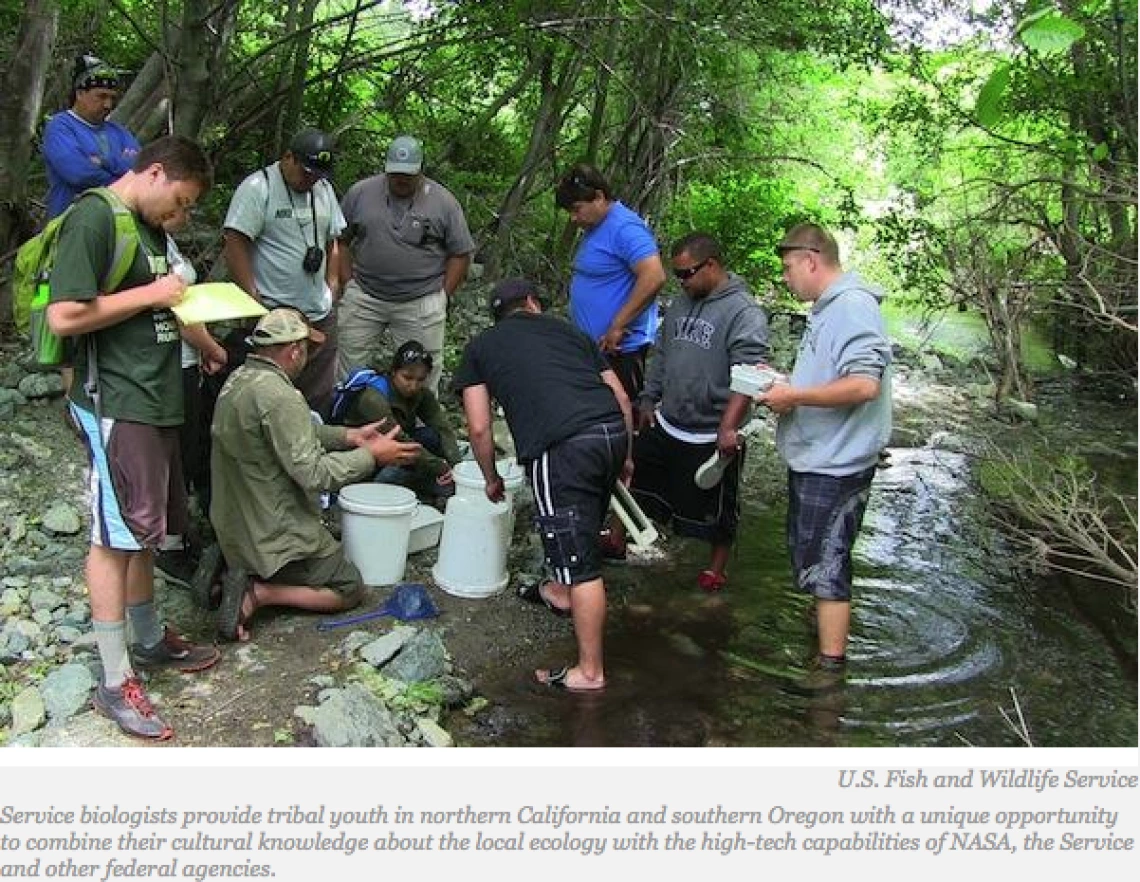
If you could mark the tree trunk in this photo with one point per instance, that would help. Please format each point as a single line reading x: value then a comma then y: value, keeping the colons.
x: 294, y: 103
x: 556, y: 88
x: 19, y: 113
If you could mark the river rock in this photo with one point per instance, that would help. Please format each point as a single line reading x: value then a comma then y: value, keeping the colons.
x: 65, y: 690
x: 434, y: 734
x: 85, y: 730
x: 67, y: 634
x: 382, y: 650
x: 456, y: 691
x: 10, y: 399
x: 43, y: 598
x: 45, y: 385
x: 1021, y: 411
x: 10, y: 602
x: 424, y: 657
x: 942, y: 440
x: 77, y: 616
x: 352, y: 717
x: 62, y: 520
x: 28, y: 712
x: 10, y: 374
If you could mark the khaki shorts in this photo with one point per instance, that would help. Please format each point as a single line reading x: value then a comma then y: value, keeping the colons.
x: 335, y: 571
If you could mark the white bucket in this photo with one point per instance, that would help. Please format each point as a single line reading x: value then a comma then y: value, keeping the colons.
x: 375, y: 522
x: 476, y: 533
x: 427, y: 524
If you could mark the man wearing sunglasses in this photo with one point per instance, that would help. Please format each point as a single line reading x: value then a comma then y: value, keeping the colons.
x: 282, y: 233
x: 687, y: 415
x: 835, y: 418
x: 616, y: 277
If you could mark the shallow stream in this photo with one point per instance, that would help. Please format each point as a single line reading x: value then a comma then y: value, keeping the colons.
x: 946, y: 635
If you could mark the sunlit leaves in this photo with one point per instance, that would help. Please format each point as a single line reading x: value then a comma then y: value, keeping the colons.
x: 1047, y: 33
x: 991, y: 98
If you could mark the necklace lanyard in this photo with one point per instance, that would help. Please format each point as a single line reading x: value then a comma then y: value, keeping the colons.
x: 312, y: 209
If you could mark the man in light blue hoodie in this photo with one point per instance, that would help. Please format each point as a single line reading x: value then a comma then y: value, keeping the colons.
x: 835, y: 419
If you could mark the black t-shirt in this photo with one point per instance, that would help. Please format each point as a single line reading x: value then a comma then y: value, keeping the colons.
x: 547, y: 376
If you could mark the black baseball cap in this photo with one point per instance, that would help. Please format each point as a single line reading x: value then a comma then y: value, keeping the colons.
x: 510, y: 290
x: 314, y: 150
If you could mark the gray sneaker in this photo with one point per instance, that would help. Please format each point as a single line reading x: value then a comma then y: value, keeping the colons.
x: 130, y: 709
x: 176, y: 653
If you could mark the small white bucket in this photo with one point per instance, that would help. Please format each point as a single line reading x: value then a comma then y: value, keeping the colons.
x: 427, y: 524
x: 376, y: 520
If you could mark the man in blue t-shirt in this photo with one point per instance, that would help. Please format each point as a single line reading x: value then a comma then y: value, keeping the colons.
x: 617, y: 274
x: 82, y: 148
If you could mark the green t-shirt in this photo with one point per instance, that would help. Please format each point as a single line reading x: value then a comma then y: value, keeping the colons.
x: 140, y: 371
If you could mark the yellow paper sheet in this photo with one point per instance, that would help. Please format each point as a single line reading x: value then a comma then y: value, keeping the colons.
x: 215, y: 302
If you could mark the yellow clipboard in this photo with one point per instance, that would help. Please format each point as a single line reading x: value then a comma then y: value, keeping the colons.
x: 215, y: 302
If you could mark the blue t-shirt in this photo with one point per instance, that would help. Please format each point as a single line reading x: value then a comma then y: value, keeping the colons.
x: 603, y: 277
x: 80, y: 156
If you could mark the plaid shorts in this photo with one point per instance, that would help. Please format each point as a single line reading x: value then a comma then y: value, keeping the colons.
x: 824, y: 516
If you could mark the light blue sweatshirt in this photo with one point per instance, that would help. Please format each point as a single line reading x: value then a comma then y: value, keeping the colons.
x: 845, y: 337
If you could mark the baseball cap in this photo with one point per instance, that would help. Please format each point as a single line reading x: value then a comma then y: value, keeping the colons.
x: 314, y: 150
x: 94, y: 73
x: 283, y: 325
x: 405, y: 156
x: 510, y: 290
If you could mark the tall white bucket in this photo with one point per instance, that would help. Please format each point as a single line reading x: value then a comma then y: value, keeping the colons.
x: 375, y: 522
x: 476, y: 533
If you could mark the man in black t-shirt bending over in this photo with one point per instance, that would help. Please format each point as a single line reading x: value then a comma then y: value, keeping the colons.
x: 571, y: 423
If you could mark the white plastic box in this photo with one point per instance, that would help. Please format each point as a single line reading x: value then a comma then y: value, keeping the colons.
x: 747, y: 379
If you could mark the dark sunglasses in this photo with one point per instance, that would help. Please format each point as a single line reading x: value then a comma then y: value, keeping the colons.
x: 685, y: 274
x: 784, y: 249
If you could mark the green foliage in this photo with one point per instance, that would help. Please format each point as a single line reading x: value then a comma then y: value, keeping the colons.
x: 991, y: 98
x: 1048, y: 33
x: 749, y: 213
x: 414, y: 698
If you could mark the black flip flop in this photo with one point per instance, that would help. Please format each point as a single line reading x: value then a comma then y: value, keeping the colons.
x: 556, y: 680
x: 235, y: 583
x: 531, y: 592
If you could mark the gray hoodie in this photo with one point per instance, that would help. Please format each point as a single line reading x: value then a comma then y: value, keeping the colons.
x: 699, y: 342
x: 845, y: 336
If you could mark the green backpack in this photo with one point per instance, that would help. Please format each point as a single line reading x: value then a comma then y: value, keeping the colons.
x: 31, y: 276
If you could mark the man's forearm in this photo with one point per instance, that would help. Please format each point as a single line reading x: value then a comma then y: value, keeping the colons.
x: 454, y: 272
x: 239, y: 259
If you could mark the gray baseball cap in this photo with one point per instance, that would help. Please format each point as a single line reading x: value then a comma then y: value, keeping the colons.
x: 405, y: 156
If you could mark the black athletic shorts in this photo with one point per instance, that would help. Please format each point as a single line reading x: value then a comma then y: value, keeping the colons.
x: 572, y: 482
x: 663, y: 485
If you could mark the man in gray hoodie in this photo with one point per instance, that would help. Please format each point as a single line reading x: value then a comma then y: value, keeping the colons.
x: 835, y: 418
x: 687, y: 414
